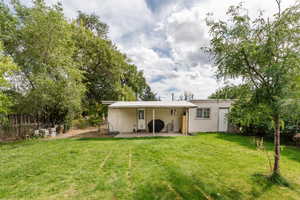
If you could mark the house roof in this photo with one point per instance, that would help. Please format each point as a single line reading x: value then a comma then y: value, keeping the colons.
x: 152, y: 104
x: 107, y: 102
x: 213, y: 100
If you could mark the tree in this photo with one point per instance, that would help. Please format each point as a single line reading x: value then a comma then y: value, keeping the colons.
x: 40, y: 41
x: 264, y: 53
x: 7, y: 67
x: 231, y: 92
x: 93, y: 23
x: 148, y: 95
x: 108, y: 73
x: 251, y: 118
x: 66, y: 66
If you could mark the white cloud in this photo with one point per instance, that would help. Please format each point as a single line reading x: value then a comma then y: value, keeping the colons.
x: 163, y: 37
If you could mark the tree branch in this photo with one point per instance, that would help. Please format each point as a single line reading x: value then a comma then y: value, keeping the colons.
x: 261, y: 78
x: 279, y: 7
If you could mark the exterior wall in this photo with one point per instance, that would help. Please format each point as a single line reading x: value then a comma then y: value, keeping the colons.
x: 125, y: 120
x: 122, y: 120
x: 207, y: 125
x: 164, y: 114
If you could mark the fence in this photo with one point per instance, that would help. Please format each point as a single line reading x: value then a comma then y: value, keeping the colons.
x: 19, y: 126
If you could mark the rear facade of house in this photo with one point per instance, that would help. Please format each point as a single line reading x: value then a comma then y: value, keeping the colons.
x: 209, y: 116
x: 178, y: 116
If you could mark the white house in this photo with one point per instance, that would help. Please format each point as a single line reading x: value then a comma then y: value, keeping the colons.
x: 178, y: 116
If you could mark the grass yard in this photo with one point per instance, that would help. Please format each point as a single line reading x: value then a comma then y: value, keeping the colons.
x: 207, y: 166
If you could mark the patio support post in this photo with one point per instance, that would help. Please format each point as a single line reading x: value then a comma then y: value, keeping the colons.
x: 186, y: 121
x: 153, y: 121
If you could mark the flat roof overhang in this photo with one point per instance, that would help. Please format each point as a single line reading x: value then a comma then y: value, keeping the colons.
x: 152, y: 104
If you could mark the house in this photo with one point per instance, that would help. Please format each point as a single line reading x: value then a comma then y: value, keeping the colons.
x: 210, y: 115
x: 178, y: 116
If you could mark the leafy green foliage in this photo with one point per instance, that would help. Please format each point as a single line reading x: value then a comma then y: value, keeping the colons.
x: 66, y: 67
x: 92, y: 22
x: 264, y: 53
x: 148, y: 95
x: 231, y: 92
x: 43, y: 49
x: 7, y: 68
x: 108, y: 74
x: 252, y: 119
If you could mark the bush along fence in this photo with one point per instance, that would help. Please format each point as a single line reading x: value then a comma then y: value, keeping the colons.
x: 22, y: 126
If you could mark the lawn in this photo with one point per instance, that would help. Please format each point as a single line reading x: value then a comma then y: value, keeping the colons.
x: 207, y: 166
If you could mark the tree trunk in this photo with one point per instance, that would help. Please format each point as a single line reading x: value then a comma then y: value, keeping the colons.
x: 276, y: 169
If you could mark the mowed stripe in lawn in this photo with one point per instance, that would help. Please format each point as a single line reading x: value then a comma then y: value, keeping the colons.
x: 207, y: 166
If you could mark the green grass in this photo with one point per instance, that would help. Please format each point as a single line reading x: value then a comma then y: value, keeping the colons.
x: 207, y: 166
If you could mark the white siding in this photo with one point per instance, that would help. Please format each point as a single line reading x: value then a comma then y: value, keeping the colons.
x: 164, y: 114
x: 124, y: 119
x: 206, y: 125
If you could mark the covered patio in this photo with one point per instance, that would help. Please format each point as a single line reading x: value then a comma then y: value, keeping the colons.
x: 145, y: 118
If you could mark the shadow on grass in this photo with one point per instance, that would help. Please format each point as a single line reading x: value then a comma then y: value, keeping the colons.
x: 263, y: 183
x: 183, y: 185
x: 246, y: 141
x: 17, y: 144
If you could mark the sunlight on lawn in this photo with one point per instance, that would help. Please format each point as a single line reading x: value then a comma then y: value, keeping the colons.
x: 207, y: 166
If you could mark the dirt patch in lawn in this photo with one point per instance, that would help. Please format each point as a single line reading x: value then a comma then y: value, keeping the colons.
x: 91, y: 132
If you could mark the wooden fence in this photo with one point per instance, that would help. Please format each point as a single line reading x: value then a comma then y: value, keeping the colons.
x: 19, y: 126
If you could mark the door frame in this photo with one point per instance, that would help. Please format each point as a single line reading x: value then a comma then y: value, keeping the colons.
x: 138, y: 118
x: 222, y: 108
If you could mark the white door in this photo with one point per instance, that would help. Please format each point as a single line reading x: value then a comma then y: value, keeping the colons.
x: 141, y: 119
x: 223, y: 122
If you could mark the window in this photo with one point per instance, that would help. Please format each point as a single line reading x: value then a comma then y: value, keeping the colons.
x: 173, y: 112
x: 203, y: 113
x: 141, y: 114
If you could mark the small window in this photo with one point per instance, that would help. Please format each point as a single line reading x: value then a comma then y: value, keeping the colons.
x: 141, y: 114
x: 203, y: 113
x: 173, y: 112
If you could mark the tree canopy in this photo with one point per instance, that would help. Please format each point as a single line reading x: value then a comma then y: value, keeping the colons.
x: 7, y: 67
x: 264, y: 52
x: 230, y: 92
x: 66, y: 66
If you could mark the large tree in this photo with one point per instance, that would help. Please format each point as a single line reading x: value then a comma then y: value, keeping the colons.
x: 231, y: 92
x: 39, y: 39
x: 264, y: 52
x: 7, y: 68
x: 148, y: 95
x: 108, y: 74
x: 64, y: 63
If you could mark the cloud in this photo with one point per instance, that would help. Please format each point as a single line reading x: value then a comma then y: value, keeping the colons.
x: 157, y: 5
x: 157, y: 78
x: 163, y: 37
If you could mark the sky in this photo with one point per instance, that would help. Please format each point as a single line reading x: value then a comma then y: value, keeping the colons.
x: 164, y: 38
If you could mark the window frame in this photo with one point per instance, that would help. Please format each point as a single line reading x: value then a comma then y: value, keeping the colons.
x: 141, y: 116
x: 203, y: 111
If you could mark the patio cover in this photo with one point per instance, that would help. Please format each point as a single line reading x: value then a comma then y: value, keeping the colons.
x: 152, y: 104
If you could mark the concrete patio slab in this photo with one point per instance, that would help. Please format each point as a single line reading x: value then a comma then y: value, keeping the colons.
x: 132, y: 135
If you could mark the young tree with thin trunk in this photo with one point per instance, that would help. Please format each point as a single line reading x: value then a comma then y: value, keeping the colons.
x: 264, y: 52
